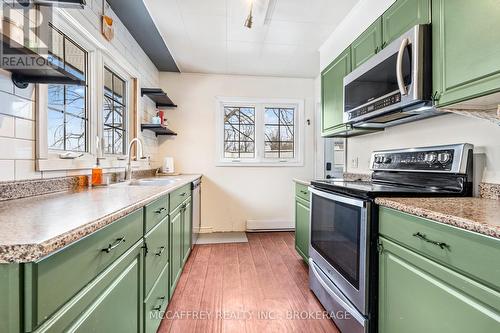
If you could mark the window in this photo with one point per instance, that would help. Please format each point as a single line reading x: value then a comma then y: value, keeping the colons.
x: 114, y: 114
x: 259, y: 132
x: 239, y: 132
x: 67, y: 124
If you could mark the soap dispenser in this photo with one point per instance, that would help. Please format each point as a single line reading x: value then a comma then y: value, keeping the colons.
x: 97, y: 173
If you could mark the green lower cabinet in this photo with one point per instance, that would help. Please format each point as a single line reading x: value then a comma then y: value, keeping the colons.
x: 419, y: 295
x: 367, y: 44
x: 186, y: 225
x: 156, y: 302
x: 402, y: 16
x: 332, y: 93
x: 302, y: 226
x: 110, y: 303
x: 176, y: 253
x: 156, y: 256
x: 466, y: 49
x: 10, y: 298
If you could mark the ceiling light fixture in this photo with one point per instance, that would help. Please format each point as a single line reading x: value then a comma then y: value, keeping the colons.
x: 249, y: 20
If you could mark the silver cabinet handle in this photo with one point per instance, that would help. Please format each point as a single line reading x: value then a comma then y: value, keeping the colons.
x: 113, y: 246
x: 399, y: 67
x: 425, y: 239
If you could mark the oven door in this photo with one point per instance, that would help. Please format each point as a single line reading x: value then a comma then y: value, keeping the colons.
x: 339, y: 243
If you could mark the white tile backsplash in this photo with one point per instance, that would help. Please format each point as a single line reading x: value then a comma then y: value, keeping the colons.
x: 16, y: 106
x: 6, y: 170
x: 7, y: 125
x: 25, y: 169
x: 17, y: 149
x: 25, y: 129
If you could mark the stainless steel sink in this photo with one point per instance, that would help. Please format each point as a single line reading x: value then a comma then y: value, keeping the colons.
x: 152, y: 182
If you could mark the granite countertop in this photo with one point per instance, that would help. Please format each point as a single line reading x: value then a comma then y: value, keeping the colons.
x: 473, y: 214
x: 302, y: 181
x: 34, y: 227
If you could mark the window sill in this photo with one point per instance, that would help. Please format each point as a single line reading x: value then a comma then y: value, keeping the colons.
x: 54, y: 163
x: 283, y: 164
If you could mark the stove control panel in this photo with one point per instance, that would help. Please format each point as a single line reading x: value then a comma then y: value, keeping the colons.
x: 424, y: 160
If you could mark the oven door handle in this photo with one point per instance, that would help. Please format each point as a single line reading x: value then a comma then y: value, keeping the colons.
x: 354, y: 313
x: 399, y: 67
x: 338, y: 198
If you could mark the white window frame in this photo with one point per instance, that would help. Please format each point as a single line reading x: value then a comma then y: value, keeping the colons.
x: 99, y: 55
x: 260, y: 104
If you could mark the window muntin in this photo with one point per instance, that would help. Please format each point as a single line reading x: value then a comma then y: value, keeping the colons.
x: 239, y: 132
x: 279, y: 130
x: 114, y: 113
x: 67, y: 104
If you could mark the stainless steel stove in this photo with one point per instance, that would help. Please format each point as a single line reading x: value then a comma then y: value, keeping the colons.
x: 343, y: 264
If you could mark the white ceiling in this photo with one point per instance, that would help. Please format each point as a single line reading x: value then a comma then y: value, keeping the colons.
x: 208, y: 36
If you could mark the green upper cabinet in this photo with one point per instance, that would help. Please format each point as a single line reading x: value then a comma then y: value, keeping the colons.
x: 466, y: 49
x: 332, y: 93
x: 402, y: 16
x: 367, y: 45
x: 419, y: 295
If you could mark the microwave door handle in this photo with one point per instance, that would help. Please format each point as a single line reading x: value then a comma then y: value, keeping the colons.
x: 399, y: 67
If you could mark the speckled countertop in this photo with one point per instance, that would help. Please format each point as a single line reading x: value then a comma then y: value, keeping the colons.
x: 34, y: 227
x: 473, y: 214
x: 302, y: 181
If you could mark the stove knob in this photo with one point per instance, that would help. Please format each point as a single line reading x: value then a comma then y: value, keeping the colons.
x: 387, y: 160
x: 430, y: 158
x: 444, y: 158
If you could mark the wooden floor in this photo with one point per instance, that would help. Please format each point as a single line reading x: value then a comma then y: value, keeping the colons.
x: 260, y: 286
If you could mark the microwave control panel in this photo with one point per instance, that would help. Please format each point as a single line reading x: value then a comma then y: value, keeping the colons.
x: 432, y: 160
x: 375, y: 106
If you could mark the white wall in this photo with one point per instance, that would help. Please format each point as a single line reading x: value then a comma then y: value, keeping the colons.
x: 17, y: 116
x: 440, y: 130
x: 232, y: 195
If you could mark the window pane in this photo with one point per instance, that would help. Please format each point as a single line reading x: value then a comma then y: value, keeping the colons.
x: 108, y: 140
x: 108, y: 111
x: 118, y: 137
x: 279, y: 132
x: 271, y: 133
x: 55, y: 129
x: 119, y: 89
x: 232, y: 115
x: 287, y: 116
x: 286, y: 133
x: 247, y: 115
x: 75, y: 59
x: 247, y: 132
x: 56, y: 96
x: 75, y: 133
x: 108, y: 83
x: 75, y: 100
x: 271, y: 116
x: 239, y: 132
x: 230, y: 133
x: 57, y: 47
x: 118, y: 117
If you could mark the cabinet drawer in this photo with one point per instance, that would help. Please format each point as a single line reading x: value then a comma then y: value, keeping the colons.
x: 470, y: 253
x: 53, y: 281
x: 156, y: 303
x: 302, y: 191
x: 155, y: 212
x: 178, y: 196
x: 157, y: 254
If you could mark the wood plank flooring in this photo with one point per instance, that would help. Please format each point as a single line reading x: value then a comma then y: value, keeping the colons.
x: 260, y: 286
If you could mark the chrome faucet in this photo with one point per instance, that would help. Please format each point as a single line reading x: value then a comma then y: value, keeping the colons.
x: 128, y: 168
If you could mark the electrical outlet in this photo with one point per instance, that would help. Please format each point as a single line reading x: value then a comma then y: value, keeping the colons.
x: 355, y: 163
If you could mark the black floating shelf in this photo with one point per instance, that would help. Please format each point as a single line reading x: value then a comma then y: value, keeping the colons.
x: 158, y: 129
x: 158, y: 96
x: 47, y: 74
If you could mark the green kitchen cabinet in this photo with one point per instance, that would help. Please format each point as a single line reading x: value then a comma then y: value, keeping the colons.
x: 402, y: 16
x: 10, y: 298
x: 112, y: 302
x: 186, y: 226
x: 417, y: 295
x: 367, y: 44
x: 156, y: 254
x: 332, y: 93
x: 175, y: 252
x: 302, y: 227
x: 466, y: 49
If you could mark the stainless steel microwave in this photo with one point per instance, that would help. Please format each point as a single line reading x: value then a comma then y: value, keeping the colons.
x: 394, y: 86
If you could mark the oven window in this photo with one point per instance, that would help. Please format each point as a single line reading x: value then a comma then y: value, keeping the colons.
x: 335, y: 234
x: 379, y: 81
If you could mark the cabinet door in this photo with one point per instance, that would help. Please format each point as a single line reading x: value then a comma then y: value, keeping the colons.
x: 418, y: 295
x: 466, y: 49
x: 332, y: 92
x: 186, y: 224
x: 366, y: 45
x: 302, y: 228
x: 402, y: 16
x: 175, y: 248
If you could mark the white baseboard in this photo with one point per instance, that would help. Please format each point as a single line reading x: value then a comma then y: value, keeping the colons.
x: 269, y: 225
